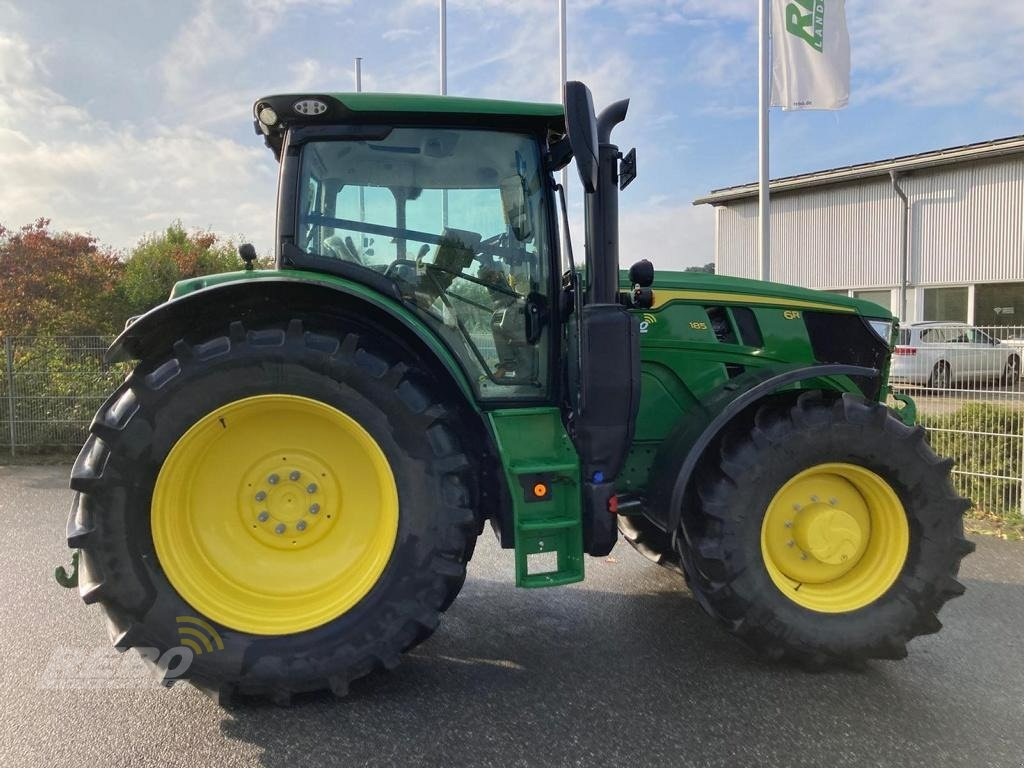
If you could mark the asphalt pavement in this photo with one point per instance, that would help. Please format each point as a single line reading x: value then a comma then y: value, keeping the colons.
x: 623, y: 669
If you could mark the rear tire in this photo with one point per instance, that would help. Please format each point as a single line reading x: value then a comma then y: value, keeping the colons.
x: 365, y: 374
x: 730, y: 567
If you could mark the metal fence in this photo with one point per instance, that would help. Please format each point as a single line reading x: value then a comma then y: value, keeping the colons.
x: 50, y: 389
x: 967, y: 395
x: 966, y: 381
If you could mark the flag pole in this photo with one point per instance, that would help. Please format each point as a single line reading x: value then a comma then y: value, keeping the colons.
x: 443, y: 47
x: 442, y: 63
x: 562, y: 76
x: 763, y: 100
x: 362, y: 189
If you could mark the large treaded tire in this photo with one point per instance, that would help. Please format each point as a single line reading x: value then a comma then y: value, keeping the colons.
x: 650, y: 541
x: 360, y: 370
x: 728, y: 575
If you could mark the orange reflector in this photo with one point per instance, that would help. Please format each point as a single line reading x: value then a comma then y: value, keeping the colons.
x: 540, y: 490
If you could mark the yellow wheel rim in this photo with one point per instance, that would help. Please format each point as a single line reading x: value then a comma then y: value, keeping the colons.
x: 835, y: 537
x: 274, y: 514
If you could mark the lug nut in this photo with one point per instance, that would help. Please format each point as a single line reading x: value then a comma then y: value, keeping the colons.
x: 789, y: 523
x: 261, y: 496
x: 301, y: 525
x: 790, y: 543
x: 264, y: 516
x: 796, y: 507
x: 314, y: 508
x: 311, y: 488
x: 279, y: 528
x: 273, y: 479
x: 803, y: 555
x: 294, y: 475
x: 814, y: 499
x: 833, y: 501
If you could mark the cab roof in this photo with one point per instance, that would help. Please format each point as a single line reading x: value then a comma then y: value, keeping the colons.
x: 404, y: 109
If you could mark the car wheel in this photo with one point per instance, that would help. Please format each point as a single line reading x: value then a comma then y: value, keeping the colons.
x: 941, y: 377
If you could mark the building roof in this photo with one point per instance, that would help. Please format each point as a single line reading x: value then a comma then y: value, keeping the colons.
x: 952, y: 155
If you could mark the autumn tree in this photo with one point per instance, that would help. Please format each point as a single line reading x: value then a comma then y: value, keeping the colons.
x: 160, y: 260
x: 57, y: 283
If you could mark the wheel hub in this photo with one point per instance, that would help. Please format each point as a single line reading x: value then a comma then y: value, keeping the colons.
x: 289, y: 501
x: 830, y: 535
x: 834, y: 537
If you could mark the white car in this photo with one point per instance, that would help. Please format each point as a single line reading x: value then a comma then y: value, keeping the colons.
x: 942, y: 354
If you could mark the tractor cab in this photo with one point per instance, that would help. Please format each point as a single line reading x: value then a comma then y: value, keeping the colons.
x: 450, y: 206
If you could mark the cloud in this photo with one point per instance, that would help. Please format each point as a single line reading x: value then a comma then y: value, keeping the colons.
x: 118, y: 182
x: 402, y: 33
x: 944, y: 52
x: 671, y: 235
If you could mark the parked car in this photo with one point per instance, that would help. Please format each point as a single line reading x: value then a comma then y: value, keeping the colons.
x: 944, y: 354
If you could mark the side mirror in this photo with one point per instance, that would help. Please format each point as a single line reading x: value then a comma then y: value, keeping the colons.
x: 581, y: 126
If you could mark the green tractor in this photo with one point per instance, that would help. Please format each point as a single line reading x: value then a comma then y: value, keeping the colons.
x: 292, y: 479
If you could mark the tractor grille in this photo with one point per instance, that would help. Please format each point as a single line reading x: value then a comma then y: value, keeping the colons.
x: 847, y: 339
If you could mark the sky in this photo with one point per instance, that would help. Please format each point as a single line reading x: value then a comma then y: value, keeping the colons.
x: 118, y: 117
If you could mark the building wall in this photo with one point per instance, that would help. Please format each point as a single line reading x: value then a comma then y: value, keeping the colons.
x: 966, y: 227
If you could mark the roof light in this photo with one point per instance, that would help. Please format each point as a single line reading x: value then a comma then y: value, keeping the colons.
x: 310, y: 107
x: 267, y: 116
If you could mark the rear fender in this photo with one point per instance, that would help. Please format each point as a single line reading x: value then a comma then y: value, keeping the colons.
x: 256, y: 295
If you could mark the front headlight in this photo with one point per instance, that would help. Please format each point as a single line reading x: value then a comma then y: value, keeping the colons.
x: 883, y: 328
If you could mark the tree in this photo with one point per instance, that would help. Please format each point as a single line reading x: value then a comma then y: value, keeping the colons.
x: 161, y: 260
x: 709, y: 268
x: 57, y: 283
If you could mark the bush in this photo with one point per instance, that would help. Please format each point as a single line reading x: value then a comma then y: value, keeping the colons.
x: 984, y: 439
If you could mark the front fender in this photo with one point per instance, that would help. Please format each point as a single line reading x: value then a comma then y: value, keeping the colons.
x: 679, y: 454
x: 255, y: 295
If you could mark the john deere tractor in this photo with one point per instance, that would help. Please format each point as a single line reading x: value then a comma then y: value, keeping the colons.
x: 303, y: 457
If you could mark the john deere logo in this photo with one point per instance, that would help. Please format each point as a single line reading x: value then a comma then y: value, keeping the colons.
x: 198, y: 635
x: 806, y: 19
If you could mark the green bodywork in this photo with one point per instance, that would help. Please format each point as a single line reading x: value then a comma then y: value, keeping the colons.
x: 689, y: 372
x: 683, y: 366
x: 683, y: 363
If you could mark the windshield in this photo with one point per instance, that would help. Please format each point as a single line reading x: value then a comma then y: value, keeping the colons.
x: 457, y: 218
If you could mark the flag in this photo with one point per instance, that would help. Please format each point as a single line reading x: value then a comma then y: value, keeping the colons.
x: 810, y: 54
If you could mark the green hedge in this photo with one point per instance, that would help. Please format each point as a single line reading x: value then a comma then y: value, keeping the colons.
x: 987, y: 439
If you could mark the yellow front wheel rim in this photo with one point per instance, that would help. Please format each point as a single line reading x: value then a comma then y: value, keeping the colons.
x: 274, y: 514
x: 835, y: 538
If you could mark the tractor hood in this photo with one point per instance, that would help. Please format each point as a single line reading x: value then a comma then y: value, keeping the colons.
x: 721, y: 288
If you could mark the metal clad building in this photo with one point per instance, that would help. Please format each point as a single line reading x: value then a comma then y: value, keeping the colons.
x: 956, y: 250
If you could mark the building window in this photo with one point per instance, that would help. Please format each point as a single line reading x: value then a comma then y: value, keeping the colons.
x: 1001, y: 304
x: 946, y: 304
x: 882, y: 298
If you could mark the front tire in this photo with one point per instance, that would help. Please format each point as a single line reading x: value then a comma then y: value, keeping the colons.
x: 868, y: 525
x: 281, y: 611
